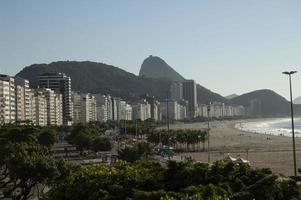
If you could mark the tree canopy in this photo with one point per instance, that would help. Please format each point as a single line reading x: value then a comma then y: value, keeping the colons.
x: 26, y: 161
x: 175, y: 180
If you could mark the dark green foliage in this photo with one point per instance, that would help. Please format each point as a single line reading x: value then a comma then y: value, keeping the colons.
x: 26, y: 163
x: 88, y: 137
x: 102, y: 144
x: 47, y: 137
x: 176, y: 180
x: 133, y: 127
x: 140, y: 151
x: 184, y: 140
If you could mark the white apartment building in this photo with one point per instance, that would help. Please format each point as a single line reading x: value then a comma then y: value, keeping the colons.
x: 54, y: 106
x: 84, y: 108
x: 60, y: 83
x: 92, y: 108
x: 220, y: 110
x: 106, y: 110
x: 128, y: 112
x: 101, y: 114
x: 58, y: 107
x: 22, y: 103
x: 32, y: 106
x: 7, y: 99
x: 40, y: 108
x: 203, y: 110
x: 76, y: 102
x: 125, y: 111
x: 113, y: 108
x: 142, y: 110
x: 175, y: 110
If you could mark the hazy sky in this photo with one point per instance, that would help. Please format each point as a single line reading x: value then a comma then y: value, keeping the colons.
x: 228, y: 46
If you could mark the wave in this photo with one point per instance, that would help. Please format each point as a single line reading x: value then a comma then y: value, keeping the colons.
x: 280, y: 127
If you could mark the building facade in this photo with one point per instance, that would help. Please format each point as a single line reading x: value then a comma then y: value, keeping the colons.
x: 60, y: 83
x: 142, y: 110
x: 22, y: 92
x: 84, y: 107
x: 190, y: 95
x: 7, y: 99
x: 175, y: 111
x: 176, y: 91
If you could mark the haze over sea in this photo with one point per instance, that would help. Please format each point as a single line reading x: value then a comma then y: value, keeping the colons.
x: 280, y: 126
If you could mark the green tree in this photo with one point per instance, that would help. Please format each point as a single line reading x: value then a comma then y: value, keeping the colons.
x: 47, y: 137
x: 140, y: 151
x: 176, y: 180
x: 102, y: 144
x: 82, y: 136
x: 25, y: 164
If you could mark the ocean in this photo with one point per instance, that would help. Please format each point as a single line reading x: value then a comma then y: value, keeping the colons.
x: 280, y: 127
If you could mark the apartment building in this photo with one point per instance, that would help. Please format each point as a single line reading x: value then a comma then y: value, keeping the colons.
x: 7, y: 99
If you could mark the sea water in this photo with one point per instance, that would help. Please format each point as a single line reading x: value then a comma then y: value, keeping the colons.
x: 281, y: 127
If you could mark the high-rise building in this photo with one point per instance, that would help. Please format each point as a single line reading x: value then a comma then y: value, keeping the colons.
x: 92, y: 107
x: 128, y: 115
x: 125, y: 111
x: 22, y: 93
x: 40, y: 108
x: 77, y: 103
x: 101, y: 114
x: 142, y: 110
x: 190, y: 95
x: 105, y: 107
x: 58, y: 108
x: 32, y: 106
x: 115, y: 104
x: 61, y: 83
x: 54, y: 106
x: 7, y: 99
x: 121, y: 110
x: 175, y: 110
x: 84, y: 107
x: 154, y: 106
x: 176, y: 91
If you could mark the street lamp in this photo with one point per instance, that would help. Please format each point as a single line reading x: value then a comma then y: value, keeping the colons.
x: 167, y: 116
x: 208, y: 113
x: 292, y: 115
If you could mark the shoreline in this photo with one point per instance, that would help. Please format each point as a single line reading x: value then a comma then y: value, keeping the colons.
x: 266, y: 127
x: 262, y: 150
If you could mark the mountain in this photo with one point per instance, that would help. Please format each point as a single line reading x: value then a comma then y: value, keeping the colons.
x: 101, y: 78
x: 266, y: 103
x: 92, y: 77
x: 206, y: 96
x: 231, y: 96
x: 155, y: 67
x: 297, y: 100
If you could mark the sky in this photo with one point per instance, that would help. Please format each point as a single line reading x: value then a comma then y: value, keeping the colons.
x: 228, y: 46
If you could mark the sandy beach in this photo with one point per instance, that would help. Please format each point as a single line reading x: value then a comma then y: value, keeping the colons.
x: 264, y: 151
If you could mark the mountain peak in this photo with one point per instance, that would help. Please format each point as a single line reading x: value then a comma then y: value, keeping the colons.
x: 156, y: 67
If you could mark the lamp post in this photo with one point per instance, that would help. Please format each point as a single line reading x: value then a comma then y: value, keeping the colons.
x: 167, y: 117
x: 208, y: 123
x: 292, y: 115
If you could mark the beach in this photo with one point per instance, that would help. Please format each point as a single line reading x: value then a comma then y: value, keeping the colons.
x: 262, y: 150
